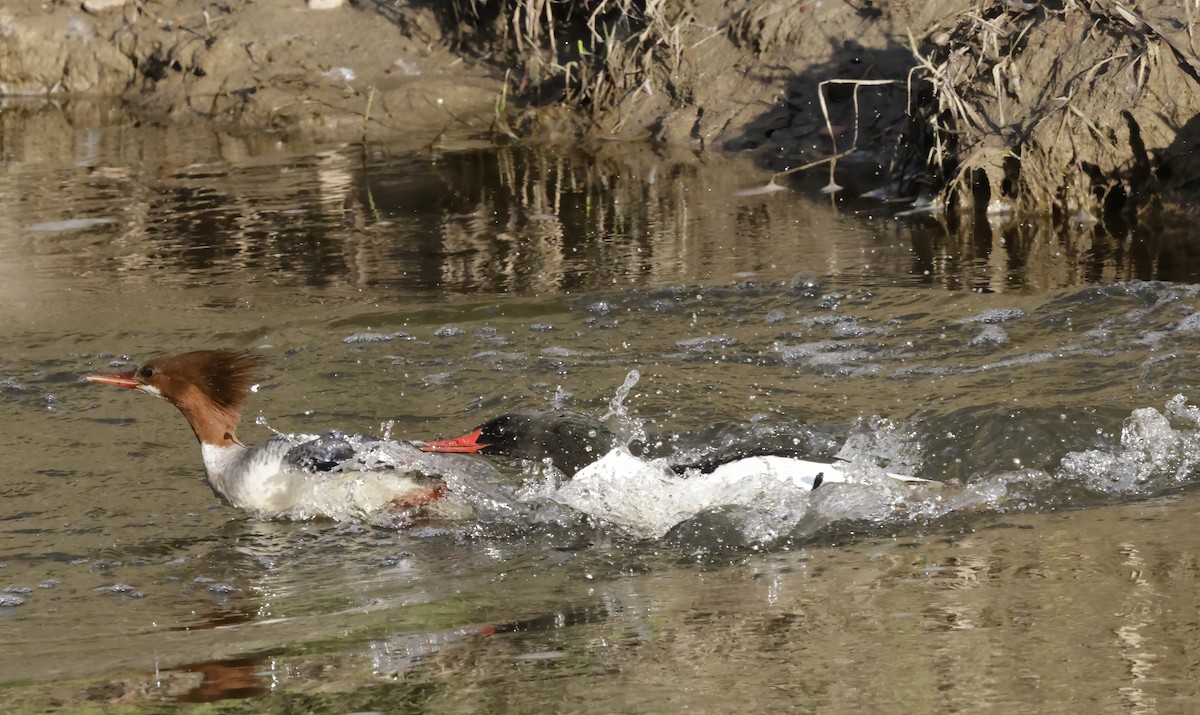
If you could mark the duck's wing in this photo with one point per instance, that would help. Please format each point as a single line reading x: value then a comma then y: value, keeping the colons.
x: 332, y: 452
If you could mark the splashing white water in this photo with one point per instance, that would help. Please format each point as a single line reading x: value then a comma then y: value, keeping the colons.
x: 647, y: 498
x: 261, y: 421
x: 1154, y: 447
x: 628, y: 429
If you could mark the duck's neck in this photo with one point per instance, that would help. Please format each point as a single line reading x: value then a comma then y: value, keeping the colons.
x: 223, y: 454
x: 224, y: 466
x: 214, y: 426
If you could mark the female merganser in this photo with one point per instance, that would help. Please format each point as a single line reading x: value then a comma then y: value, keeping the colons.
x: 571, y: 441
x: 290, y: 476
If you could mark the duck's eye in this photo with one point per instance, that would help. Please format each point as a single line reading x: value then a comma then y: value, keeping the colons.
x: 145, y: 372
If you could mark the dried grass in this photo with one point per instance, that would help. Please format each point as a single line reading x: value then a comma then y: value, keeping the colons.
x: 1039, y: 130
x: 591, y: 53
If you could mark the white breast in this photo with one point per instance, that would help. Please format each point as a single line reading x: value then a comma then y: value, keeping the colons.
x: 250, y: 479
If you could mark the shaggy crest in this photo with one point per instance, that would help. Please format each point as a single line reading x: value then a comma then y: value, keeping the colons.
x: 226, y: 375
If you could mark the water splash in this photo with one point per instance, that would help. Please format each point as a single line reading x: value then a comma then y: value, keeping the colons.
x: 628, y: 429
x: 561, y: 398
x: 878, y: 441
x: 1156, y: 450
x: 261, y: 421
x: 617, y: 404
x: 771, y: 496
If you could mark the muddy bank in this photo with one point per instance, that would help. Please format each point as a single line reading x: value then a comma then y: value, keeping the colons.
x: 277, y: 67
x: 1085, y: 108
x: 1075, y: 109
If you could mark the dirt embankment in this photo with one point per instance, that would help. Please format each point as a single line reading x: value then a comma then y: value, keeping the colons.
x: 249, y: 65
x: 1074, y: 107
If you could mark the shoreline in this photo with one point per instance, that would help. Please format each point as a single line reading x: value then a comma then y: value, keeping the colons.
x: 975, y: 107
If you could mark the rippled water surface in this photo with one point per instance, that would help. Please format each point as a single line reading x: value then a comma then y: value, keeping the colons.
x: 1042, y: 377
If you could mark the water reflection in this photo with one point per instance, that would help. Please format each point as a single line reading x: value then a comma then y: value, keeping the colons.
x: 1004, y: 254
x: 935, y: 624
x: 511, y: 220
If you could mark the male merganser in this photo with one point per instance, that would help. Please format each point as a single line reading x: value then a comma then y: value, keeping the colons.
x: 568, y: 440
x: 571, y: 441
x: 290, y: 476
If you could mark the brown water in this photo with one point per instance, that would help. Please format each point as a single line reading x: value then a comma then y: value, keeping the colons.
x: 1056, y: 572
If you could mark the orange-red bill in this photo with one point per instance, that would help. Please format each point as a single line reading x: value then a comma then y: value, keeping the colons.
x: 124, y: 379
x: 466, y: 444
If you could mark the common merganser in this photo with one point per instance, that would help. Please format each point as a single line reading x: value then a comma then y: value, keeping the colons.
x: 568, y: 440
x: 571, y: 441
x: 289, y: 476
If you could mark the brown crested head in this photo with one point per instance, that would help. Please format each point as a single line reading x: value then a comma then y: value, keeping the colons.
x: 210, y: 387
x: 223, y: 376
